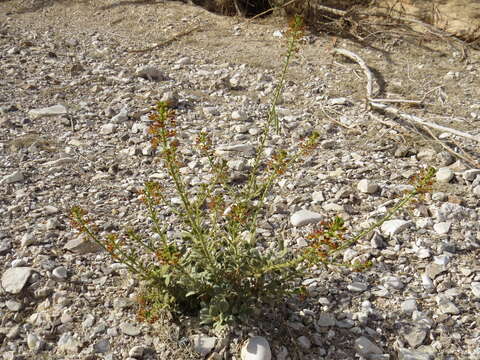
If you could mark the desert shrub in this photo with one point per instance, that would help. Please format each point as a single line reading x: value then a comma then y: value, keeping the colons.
x: 220, y: 269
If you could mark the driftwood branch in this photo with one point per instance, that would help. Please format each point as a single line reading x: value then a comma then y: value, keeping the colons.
x: 366, y: 70
x: 376, y: 104
x: 394, y: 111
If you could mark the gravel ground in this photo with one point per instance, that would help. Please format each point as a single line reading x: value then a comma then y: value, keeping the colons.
x: 74, y: 102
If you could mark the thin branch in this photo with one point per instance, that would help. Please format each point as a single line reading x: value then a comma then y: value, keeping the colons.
x: 373, y: 103
x: 394, y: 111
x: 168, y: 41
x: 465, y: 158
x: 368, y: 73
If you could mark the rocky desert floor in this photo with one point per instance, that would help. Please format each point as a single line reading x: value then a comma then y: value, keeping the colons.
x: 78, y: 80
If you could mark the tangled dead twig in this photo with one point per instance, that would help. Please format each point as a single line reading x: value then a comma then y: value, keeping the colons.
x: 379, y: 104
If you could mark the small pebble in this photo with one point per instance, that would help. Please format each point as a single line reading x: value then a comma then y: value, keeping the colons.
x: 444, y: 175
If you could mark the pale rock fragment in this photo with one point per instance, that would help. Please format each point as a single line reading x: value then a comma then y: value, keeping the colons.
x: 15, y: 279
x: 393, y: 227
x: 54, y: 110
x: 256, y: 348
x: 305, y: 217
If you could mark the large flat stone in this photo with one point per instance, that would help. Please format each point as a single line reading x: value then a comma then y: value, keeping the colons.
x: 15, y: 279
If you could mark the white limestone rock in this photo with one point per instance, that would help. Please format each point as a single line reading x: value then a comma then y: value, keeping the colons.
x: 256, y: 348
x: 305, y: 217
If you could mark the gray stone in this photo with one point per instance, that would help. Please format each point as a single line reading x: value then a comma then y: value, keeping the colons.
x: 328, y: 144
x: 184, y: 61
x: 60, y: 273
x: 423, y: 253
x: 14, y: 177
x: 427, y: 282
x: 367, y: 187
x: 102, y: 346
x: 377, y: 241
x: 67, y: 344
x: 139, y: 127
x: 357, y: 286
x: 52, y: 224
x: 49, y: 209
x: 444, y: 175
x: 426, y: 154
x: 471, y: 174
x: 422, y: 319
x: 448, y: 307
x: 34, y: 342
x: 82, y: 245
x: 394, y: 282
x: 88, y: 321
x: 305, y: 217
x: 476, y: 191
x: 475, y: 286
x: 147, y: 149
x: 439, y: 196
x: 333, y: 207
x: 338, y: 101
x: 15, y: 279
x: 122, y: 303
x: 380, y: 292
x: 137, y: 352
x: 304, y: 342
x: 239, y: 115
x: 401, y: 151
x: 170, y: 98
x: 441, y: 260
x: 13, y: 305
x: 112, y: 332
x: 28, y: 239
x: 345, y: 324
x: 445, y: 306
x: 58, y: 162
x: 415, y: 336
x: 392, y: 227
x: 14, y: 332
x: 107, y: 129
x: 433, y: 270
x: 256, y: 348
x: 99, y: 329
x: 317, y: 197
x: 326, y: 319
x: 442, y: 227
x: 150, y: 73
x: 54, y: 110
x: 210, y: 111
x: 203, y: 344
x: 405, y: 354
x: 409, y: 306
x: 247, y: 149
x: 349, y: 254
x: 5, y: 246
x: 121, y: 117
x: 130, y: 329
x: 365, y: 347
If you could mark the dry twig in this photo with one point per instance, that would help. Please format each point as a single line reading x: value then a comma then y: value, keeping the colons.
x: 376, y: 104
x: 467, y: 158
x: 168, y: 41
x: 394, y: 111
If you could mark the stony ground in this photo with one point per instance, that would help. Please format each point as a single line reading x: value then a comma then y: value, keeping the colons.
x: 77, y: 82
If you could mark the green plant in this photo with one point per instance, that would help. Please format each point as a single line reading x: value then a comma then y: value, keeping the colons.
x: 220, y: 269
